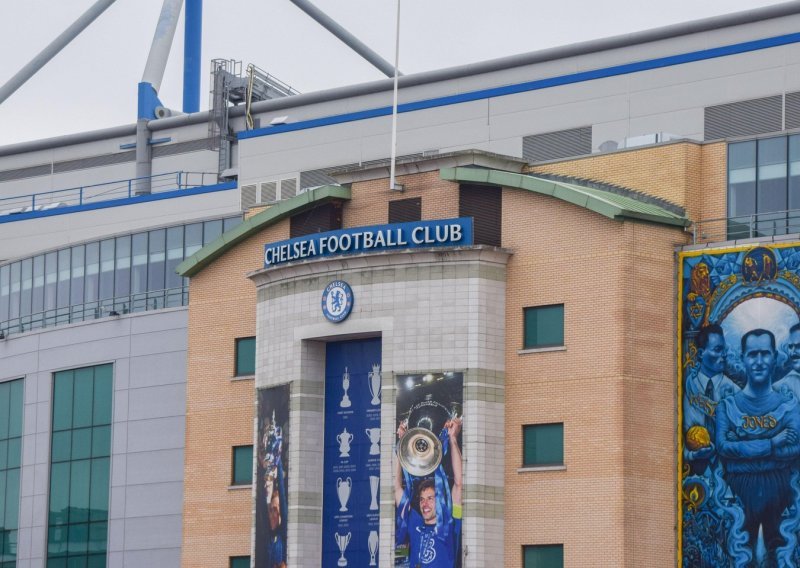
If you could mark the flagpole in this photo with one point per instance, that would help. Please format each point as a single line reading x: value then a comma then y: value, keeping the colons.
x: 392, y: 184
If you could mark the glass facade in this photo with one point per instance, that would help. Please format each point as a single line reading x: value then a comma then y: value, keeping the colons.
x: 11, y: 394
x: 80, y: 458
x: 130, y: 273
x: 764, y: 187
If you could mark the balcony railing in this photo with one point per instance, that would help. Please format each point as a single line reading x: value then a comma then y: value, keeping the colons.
x: 119, y: 189
x: 141, y: 302
x: 757, y: 225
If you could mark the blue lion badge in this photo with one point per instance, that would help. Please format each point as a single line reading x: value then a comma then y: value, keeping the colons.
x: 337, y: 301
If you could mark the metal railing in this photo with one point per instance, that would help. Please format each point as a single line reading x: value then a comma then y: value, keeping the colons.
x: 111, y: 307
x: 757, y: 225
x: 108, y: 191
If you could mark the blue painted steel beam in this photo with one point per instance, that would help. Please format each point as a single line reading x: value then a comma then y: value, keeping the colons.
x: 192, y: 45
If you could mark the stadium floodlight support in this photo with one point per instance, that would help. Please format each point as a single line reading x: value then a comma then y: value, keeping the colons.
x: 345, y: 36
x: 148, y: 102
x: 192, y: 46
x: 53, y: 48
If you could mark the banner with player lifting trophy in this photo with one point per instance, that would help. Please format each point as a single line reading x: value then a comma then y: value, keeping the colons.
x: 272, y: 479
x: 428, y: 470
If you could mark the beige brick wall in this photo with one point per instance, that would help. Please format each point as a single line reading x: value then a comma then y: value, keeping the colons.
x: 688, y: 174
x: 612, y: 387
x: 217, y: 521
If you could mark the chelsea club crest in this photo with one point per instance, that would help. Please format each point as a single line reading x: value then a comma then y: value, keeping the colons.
x: 337, y: 301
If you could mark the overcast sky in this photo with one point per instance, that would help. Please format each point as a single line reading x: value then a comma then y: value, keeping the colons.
x: 91, y: 84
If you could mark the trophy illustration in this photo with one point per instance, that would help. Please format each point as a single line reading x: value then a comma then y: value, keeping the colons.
x: 373, y: 486
x: 343, y: 488
x: 345, y: 385
x: 342, y: 540
x: 375, y: 385
x: 344, y: 440
x: 374, y: 435
x: 372, y: 542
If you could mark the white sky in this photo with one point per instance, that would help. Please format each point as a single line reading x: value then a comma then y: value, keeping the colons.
x: 91, y: 84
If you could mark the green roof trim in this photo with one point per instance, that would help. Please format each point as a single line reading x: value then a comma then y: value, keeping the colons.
x: 611, y: 205
x: 251, y: 226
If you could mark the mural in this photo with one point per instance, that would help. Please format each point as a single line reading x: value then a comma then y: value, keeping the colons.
x: 428, y: 470
x: 272, y: 477
x: 739, y: 433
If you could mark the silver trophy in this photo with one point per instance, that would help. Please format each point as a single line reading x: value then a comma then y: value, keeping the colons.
x: 374, y: 435
x: 374, y: 480
x: 342, y: 540
x: 375, y: 385
x: 344, y: 440
x: 345, y: 403
x: 343, y: 488
x: 372, y: 542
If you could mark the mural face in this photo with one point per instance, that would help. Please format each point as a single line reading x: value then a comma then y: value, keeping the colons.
x: 428, y: 470
x: 272, y: 477
x: 739, y: 433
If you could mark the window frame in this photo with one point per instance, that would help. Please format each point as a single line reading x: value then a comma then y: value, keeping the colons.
x: 234, y: 482
x: 236, y: 368
x: 232, y: 559
x: 534, y: 465
x: 559, y: 546
x: 542, y: 346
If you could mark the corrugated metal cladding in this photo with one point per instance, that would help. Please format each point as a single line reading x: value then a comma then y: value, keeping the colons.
x: 94, y: 162
x: 269, y: 191
x: 405, y: 210
x: 248, y: 196
x: 104, y: 160
x: 22, y: 173
x: 183, y: 147
x: 288, y: 188
x: 744, y: 118
x: 559, y: 144
x: 326, y: 217
x: 315, y: 178
x: 484, y: 203
x: 792, y: 110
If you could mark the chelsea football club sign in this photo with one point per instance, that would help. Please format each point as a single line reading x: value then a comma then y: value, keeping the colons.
x: 337, y: 301
x: 416, y: 234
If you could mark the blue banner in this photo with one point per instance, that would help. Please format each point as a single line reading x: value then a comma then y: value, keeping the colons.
x: 417, y: 234
x: 351, y: 483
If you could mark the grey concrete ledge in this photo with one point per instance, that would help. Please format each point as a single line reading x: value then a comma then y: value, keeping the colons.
x: 542, y: 468
x: 541, y: 350
x: 243, y: 378
x: 240, y: 487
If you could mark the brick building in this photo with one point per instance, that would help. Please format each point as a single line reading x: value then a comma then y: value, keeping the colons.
x: 530, y: 355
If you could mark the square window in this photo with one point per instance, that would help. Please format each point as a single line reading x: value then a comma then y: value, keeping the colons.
x: 240, y: 562
x: 544, y: 326
x: 245, y: 356
x: 543, y: 556
x: 542, y: 445
x: 242, y: 465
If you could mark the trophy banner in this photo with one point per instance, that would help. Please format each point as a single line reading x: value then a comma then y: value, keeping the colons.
x: 428, y: 469
x: 739, y: 417
x: 350, y: 512
x: 272, y: 479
